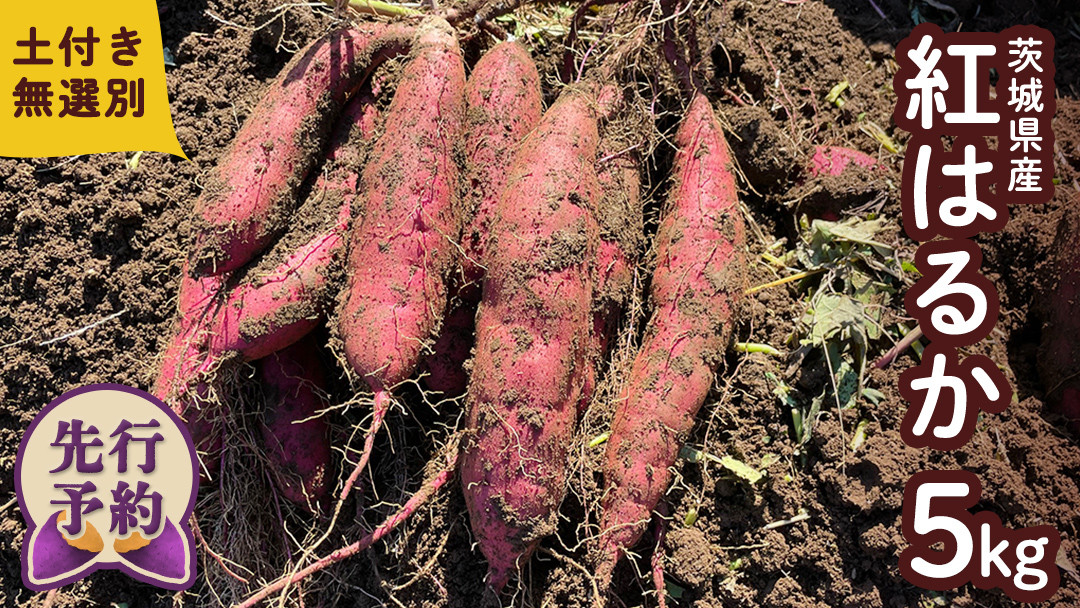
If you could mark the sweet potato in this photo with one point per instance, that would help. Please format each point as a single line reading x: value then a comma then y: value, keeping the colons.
x: 251, y: 191
x: 502, y: 99
x: 1059, y: 353
x: 296, y: 438
x: 271, y: 312
x: 837, y: 178
x: 833, y: 160
x: 185, y: 362
x: 503, y: 103
x: 291, y: 299
x: 532, y: 336
x: 215, y: 319
x: 621, y: 238
x: 443, y: 368
x: 403, y: 245
x: 186, y: 352
x: 699, y: 278
x: 266, y: 313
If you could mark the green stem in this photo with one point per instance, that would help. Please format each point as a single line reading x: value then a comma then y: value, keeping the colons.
x: 783, y: 281
x: 753, y: 347
x: 599, y: 439
x: 375, y: 7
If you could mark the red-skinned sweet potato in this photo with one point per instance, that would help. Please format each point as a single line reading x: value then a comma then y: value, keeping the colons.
x: 186, y: 361
x: 503, y: 105
x: 262, y: 314
x: 295, y: 436
x: 621, y: 220
x: 502, y: 100
x: 833, y: 160
x: 836, y: 178
x: 696, y: 287
x: 271, y: 312
x: 532, y: 336
x: 251, y: 191
x: 403, y: 245
x: 267, y: 313
x: 443, y: 368
x: 186, y: 352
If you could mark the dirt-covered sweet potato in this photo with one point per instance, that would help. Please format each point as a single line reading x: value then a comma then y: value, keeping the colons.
x: 502, y: 100
x: 621, y: 221
x: 251, y: 192
x: 532, y: 336
x: 699, y: 278
x: 186, y: 361
x: 296, y: 438
x: 268, y: 312
x: 402, y: 246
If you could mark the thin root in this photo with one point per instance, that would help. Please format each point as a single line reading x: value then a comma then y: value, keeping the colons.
x: 426, y: 491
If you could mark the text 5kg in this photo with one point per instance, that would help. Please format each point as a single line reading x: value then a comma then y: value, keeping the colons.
x: 950, y: 546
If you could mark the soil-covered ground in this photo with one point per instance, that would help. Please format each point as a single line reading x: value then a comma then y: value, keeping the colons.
x: 94, y: 238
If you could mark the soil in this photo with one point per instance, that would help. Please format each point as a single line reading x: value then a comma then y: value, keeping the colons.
x: 91, y: 249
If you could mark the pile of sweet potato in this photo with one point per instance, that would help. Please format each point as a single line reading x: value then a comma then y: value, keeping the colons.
x: 474, y: 241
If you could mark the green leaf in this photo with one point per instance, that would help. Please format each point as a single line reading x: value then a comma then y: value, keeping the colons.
x: 874, y: 130
x: 873, y: 395
x: 847, y: 385
x: 674, y: 591
x: 797, y: 423
x: 856, y: 230
x: 832, y: 312
x: 782, y: 391
x: 810, y: 419
x: 691, y: 454
x: 861, y: 284
x: 860, y: 435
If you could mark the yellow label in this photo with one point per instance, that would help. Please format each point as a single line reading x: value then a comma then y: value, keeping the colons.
x: 83, y: 77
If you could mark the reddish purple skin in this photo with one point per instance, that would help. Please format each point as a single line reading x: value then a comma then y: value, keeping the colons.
x: 503, y: 104
x: 833, y: 160
x: 617, y: 254
x: 532, y: 337
x: 186, y: 360
x: 299, y: 452
x: 270, y: 313
x: 186, y: 352
x: 614, y: 267
x: 267, y: 314
x: 444, y: 367
x: 402, y: 247
x: 253, y: 188
x: 211, y: 323
x: 697, y: 283
x: 1059, y: 353
x: 502, y: 99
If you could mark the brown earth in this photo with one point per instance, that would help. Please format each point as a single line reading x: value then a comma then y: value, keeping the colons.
x: 88, y: 237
